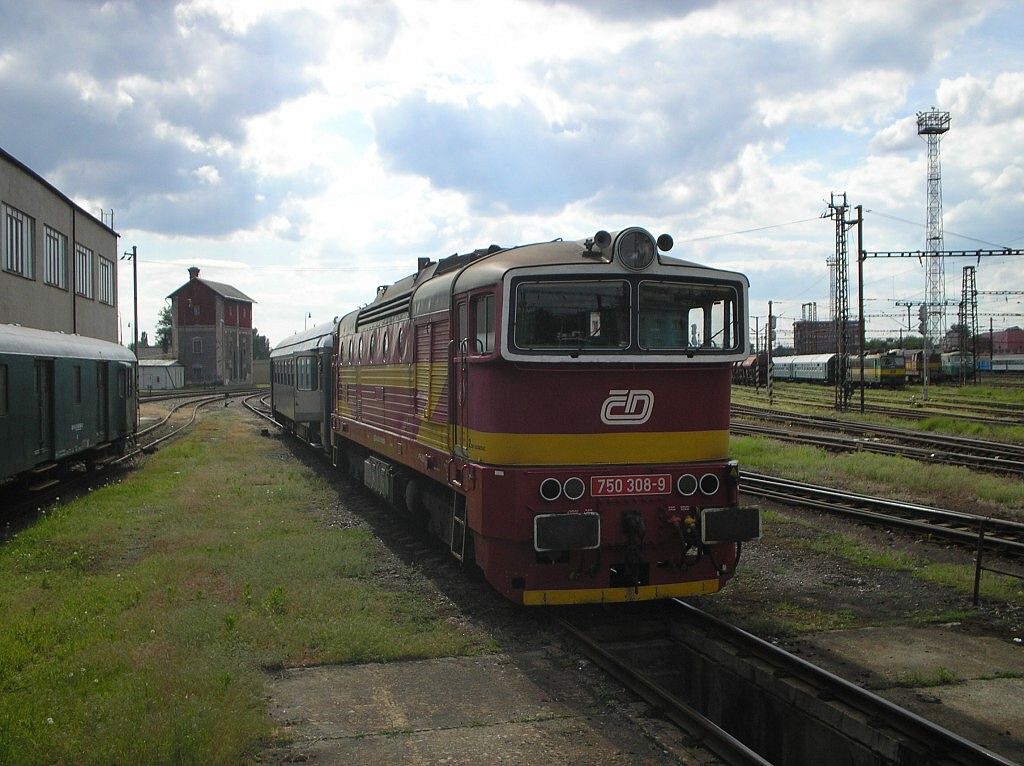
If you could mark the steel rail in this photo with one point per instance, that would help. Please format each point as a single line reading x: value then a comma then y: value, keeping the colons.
x: 916, y: 413
x: 711, y: 736
x: 967, y: 459
x: 937, y: 744
x: 908, y: 435
x: 952, y: 525
x: 256, y: 411
x: 202, y: 400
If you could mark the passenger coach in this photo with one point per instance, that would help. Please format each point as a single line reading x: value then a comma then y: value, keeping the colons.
x: 557, y: 412
x: 301, y: 369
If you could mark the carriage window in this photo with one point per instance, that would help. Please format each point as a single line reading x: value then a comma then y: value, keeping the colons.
x: 483, y: 321
x: 76, y: 384
x: 3, y: 390
x: 583, y: 316
x: 674, y: 315
x: 306, y: 373
x: 401, y: 343
x: 385, y: 346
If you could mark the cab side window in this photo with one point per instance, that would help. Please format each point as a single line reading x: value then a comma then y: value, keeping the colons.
x: 483, y: 324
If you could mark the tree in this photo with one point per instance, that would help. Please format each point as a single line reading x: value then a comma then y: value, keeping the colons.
x: 163, y: 328
x: 260, y: 345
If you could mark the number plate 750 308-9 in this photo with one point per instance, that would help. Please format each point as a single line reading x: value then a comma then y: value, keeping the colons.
x: 647, y: 484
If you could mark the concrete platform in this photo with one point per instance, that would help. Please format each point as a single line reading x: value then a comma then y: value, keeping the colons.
x: 973, y: 686
x: 515, y: 710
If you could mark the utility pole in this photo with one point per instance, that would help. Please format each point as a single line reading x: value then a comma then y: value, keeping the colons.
x: 860, y: 298
x: 757, y: 354
x: 769, y: 332
x: 133, y: 256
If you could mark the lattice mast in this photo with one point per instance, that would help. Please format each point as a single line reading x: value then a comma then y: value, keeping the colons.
x: 932, y: 125
x: 968, y: 325
x: 841, y: 300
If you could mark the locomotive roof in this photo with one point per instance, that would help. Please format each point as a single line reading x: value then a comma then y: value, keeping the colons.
x: 314, y: 337
x: 28, y: 341
x: 429, y: 289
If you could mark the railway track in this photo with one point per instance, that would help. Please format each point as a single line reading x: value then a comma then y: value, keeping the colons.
x: 749, y: 701
x: 994, y: 414
x: 956, y: 526
x: 998, y: 457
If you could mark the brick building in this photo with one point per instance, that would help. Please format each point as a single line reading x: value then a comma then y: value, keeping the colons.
x: 211, y: 331
x: 58, y: 263
x: 813, y: 337
x: 1009, y: 341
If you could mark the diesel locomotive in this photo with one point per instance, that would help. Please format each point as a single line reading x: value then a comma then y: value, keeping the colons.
x: 557, y: 413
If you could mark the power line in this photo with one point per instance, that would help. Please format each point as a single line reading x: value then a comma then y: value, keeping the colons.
x: 919, y: 225
x: 748, y: 231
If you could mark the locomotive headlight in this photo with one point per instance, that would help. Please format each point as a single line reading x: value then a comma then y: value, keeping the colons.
x: 550, y: 489
x: 574, y: 488
x: 709, y: 484
x: 686, y: 484
x: 635, y: 249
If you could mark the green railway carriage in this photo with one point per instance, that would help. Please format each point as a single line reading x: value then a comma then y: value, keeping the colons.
x: 64, y: 399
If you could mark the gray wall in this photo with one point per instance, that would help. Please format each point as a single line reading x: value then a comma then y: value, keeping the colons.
x: 32, y: 302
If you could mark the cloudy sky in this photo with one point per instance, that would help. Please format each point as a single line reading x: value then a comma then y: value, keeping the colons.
x: 306, y: 152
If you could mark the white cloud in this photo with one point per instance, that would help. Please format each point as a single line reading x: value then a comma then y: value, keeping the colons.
x: 307, y: 152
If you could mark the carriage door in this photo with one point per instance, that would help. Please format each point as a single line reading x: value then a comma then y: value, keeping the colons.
x: 44, y: 407
x: 102, y: 400
x: 460, y: 378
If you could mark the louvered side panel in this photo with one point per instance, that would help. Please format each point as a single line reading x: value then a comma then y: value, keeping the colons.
x: 439, y: 371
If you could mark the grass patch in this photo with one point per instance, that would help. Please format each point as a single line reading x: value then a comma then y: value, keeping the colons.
x: 787, y: 619
x: 139, y: 619
x: 870, y: 473
x: 918, y: 679
x: 959, y: 577
x: 972, y: 428
x: 862, y: 555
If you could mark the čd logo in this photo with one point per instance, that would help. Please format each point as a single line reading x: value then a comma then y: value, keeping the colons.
x: 627, y: 407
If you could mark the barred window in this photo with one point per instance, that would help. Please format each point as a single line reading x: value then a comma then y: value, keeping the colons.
x: 55, y: 270
x: 17, y: 242
x: 106, y: 274
x: 83, y: 271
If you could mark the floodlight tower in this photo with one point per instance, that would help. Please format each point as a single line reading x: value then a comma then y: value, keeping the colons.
x: 932, y: 125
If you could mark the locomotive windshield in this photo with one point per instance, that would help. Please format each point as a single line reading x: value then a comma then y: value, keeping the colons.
x: 591, y: 315
x: 681, y: 316
x: 630, y: 316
